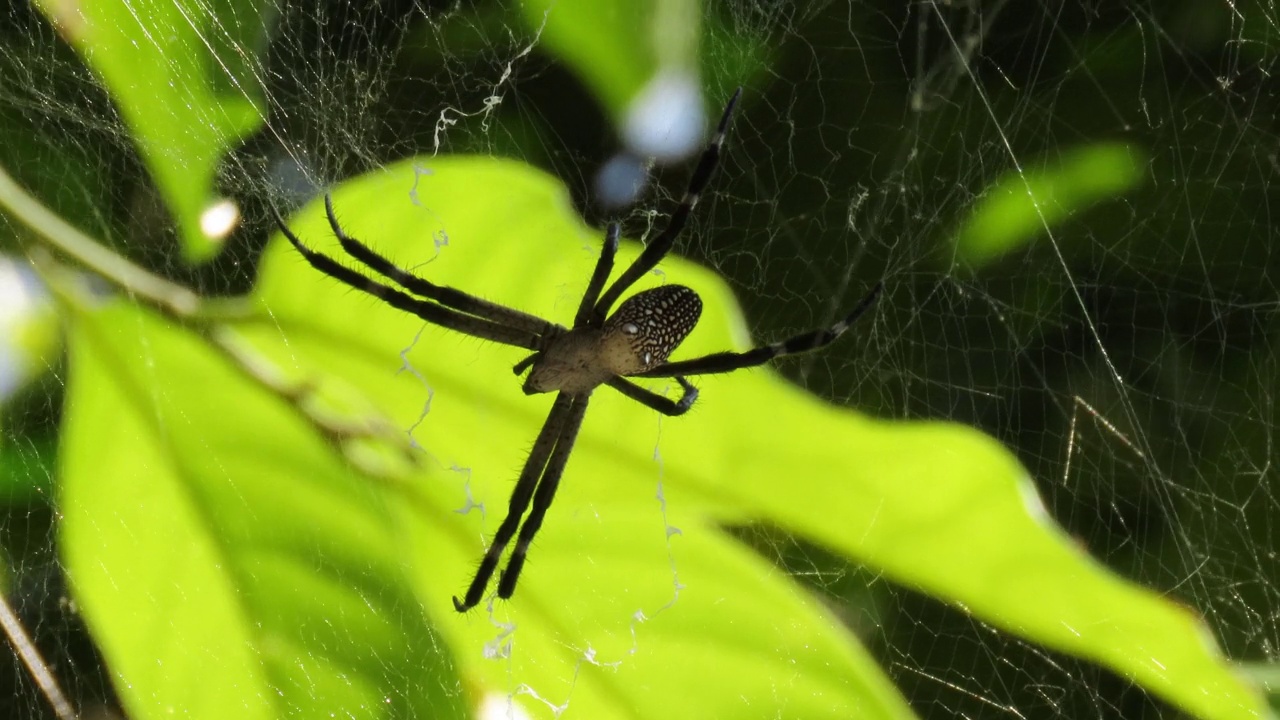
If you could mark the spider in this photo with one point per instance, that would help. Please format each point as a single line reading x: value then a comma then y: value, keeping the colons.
x: 600, y: 349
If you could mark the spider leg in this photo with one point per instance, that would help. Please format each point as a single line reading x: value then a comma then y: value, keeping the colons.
x: 604, y: 265
x: 525, y: 364
x: 447, y: 296
x: 548, y: 440
x: 723, y: 362
x: 659, y: 246
x: 545, y: 494
x: 664, y: 405
x: 429, y: 311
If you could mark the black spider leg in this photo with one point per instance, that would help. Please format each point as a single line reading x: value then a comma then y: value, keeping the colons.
x: 664, y: 405
x: 545, y: 494
x: 657, y: 248
x: 723, y: 362
x: 521, y: 496
x: 447, y: 296
x: 604, y: 266
x: 425, y: 309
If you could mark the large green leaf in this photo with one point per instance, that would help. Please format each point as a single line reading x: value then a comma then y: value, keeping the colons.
x: 231, y: 564
x: 227, y: 566
x: 740, y: 634
x: 933, y: 505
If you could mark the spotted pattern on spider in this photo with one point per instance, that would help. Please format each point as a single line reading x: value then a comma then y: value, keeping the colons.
x: 646, y: 328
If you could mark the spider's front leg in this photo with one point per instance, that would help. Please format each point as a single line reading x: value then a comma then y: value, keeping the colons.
x: 728, y: 361
x: 664, y: 405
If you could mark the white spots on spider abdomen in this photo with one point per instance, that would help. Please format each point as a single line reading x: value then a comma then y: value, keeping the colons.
x: 647, y: 327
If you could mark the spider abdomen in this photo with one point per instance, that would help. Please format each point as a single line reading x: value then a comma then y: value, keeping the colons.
x: 647, y: 327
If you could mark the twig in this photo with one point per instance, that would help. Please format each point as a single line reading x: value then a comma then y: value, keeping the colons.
x: 1079, y: 402
x: 210, y: 319
x: 31, y: 657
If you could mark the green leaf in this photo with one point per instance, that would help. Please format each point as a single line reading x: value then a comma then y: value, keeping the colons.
x: 618, y: 48
x: 933, y: 505
x: 648, y: 63
x: 227, y: 566
x: 1021, y: 205
x: 230, y: 564
x: 740, y: 637
x: 612, y: 46
x: 179, y: 72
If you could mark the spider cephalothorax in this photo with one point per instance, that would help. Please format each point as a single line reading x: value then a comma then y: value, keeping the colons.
x: 599, y: 349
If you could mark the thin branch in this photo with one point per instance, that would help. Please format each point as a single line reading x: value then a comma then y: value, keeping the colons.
x: 64, y: 237
x: 31, y: 657
x: 210, y: 320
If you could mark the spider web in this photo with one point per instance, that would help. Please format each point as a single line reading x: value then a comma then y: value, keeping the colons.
x: 1127, y: 354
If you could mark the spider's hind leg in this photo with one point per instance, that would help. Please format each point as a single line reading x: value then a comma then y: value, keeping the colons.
x: 546, y: 492
x: 527, y: 490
